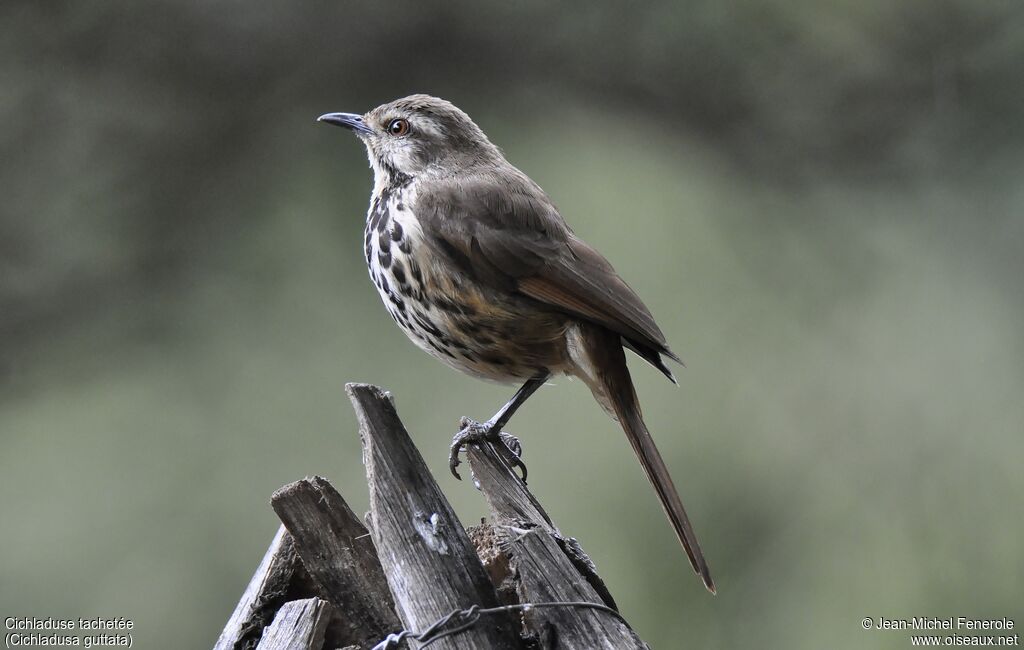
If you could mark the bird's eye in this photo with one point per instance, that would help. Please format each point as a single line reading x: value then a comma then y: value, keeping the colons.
x: 398, y: 127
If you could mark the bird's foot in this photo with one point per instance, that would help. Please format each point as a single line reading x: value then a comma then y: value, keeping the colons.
x: 472, y: 432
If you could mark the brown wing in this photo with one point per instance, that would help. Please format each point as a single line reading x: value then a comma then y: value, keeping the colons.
x: 503, y: 230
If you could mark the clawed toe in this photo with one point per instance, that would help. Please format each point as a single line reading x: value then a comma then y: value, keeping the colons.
x: 512, y: 443
x: 512, y: 451
x: 473, y: 432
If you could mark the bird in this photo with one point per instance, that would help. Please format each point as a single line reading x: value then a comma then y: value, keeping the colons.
x: 478, y: 268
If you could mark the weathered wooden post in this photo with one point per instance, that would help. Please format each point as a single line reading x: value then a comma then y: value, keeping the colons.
x: 413, y: 575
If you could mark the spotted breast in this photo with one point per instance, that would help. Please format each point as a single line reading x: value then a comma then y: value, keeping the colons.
x: 447, y: 313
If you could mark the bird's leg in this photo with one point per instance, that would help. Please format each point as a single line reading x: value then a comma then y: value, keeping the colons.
x: 508, y: 445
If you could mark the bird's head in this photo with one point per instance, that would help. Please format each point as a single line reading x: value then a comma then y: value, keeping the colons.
x: 417, y: 134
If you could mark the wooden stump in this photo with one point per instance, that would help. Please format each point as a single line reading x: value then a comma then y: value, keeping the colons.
x: 416, y: 574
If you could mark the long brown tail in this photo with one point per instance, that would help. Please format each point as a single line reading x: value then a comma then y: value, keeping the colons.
x: 618, y: 389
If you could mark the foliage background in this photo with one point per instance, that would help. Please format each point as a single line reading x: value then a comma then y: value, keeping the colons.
x: 821, y: 202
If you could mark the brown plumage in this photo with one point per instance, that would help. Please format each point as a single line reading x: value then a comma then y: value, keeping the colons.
x: 478, y: 267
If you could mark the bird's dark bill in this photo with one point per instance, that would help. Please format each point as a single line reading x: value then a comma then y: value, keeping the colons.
x: 350, y: 121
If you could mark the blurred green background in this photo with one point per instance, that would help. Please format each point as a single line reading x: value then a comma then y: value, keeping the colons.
x: 821, y: 202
